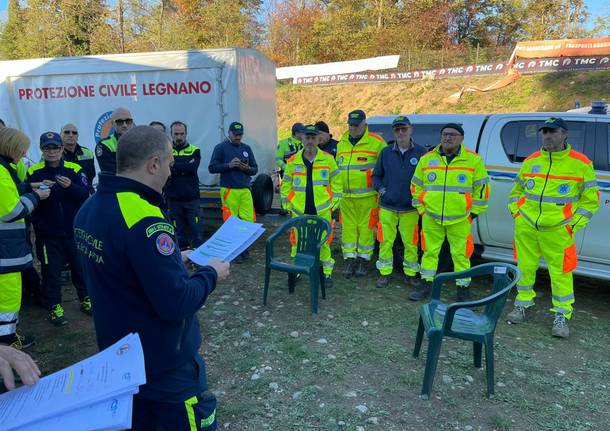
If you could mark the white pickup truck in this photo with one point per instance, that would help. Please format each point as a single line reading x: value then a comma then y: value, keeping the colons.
x: 504, y: 141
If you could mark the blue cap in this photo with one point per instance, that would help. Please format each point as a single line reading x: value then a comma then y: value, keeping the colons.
x: 50, y: 138
x: 554, y: 123
x: 401, y: 120
x: 311, y: 129
x: 236, y: 128
x: 297, y: 128
x: 356, y: 117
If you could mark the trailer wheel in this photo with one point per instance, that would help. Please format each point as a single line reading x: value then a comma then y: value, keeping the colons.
x: 262, y: 193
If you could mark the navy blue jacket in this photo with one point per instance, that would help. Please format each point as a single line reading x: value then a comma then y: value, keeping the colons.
x: 392, y: 176
x: 233, y: 178
x: 330, y: 147
x: 54, y: 216
x: 183, y: 185
x: 83, y: 157
x: 135, y: 275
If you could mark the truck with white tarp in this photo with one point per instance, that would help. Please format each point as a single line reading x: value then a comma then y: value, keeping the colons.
x: 206, y: 89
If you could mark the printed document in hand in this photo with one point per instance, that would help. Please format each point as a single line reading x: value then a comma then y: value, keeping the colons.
x: 94, y: 394
x: 229, y: 241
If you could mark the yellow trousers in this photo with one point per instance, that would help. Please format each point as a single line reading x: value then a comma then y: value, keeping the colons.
x: 237, y: 203
x: 358, y: 219
x: 10, y: 302
x: 405, y: 223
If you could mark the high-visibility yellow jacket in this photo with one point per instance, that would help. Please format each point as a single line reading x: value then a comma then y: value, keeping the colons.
x: 286, y: 148
x: 356, y: 163
x: 327, y: 190
x: 554, y: 189
x: 450, y: 192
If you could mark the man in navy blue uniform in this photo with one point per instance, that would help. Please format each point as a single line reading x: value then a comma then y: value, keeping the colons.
x: 182, y: 188
x: 52, y: 221
x: 105, y: 150
x: 139, y: 283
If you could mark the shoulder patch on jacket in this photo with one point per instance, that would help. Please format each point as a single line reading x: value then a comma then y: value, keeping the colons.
x: 159, y: 227
x: 134, y: 208
x: 533, y: 156
x: 75, y: 167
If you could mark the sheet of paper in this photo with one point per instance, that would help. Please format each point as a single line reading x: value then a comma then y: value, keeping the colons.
x: 112, y: 414
x: 117, y: 370
x: 230, y: 240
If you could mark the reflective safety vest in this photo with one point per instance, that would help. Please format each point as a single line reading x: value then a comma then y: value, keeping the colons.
x: 327, y: 190
x: 286, y: 148
x: 15, y: 253
x: 554, y: 189
x: 356, y: 163
x: 450, y: 192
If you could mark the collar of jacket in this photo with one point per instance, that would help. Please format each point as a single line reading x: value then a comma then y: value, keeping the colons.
x: 109, y: 183
x: 396, y: 148
x: 556, y: 154
x: 459, y: 155
x: 301, y: 160
x: 346, y: 136
x: 78, y: 150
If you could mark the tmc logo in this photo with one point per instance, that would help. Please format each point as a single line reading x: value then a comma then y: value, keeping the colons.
x: 103, y: 127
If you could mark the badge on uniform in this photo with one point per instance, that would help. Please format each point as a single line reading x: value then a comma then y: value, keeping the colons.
x: 245, y: 153
x: 297, y: 181
x: 530, y: 184
x: 564, y: 189
x: 99, y: 151
x: 536, y: 169
x: 324, y: 173
x: 413, y: 161
x: 165, y: 244
x: 83, y: 179
x: 461, y: 178
x: 434, y: 162
x: 340, y: 159
x: 362, y: 159
x: 431, y: 176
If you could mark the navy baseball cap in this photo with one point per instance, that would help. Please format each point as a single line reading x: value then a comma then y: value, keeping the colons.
x: 297, y: 128
x: 453, y: 126
x: 401, y: 120
x: 554, y: 123
x: 236, y: 128
x: 50, y: 138
x: 356, y: 117
x: 322, y: 126
x: 311, y: 129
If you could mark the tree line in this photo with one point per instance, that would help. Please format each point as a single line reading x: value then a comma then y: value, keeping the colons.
x: 426, y: 33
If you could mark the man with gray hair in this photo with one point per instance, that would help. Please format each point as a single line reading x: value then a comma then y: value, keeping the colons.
x: 138, y: 282
x: 105, y: 150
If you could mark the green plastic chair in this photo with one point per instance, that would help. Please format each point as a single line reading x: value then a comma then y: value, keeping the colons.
x: 311, y: 233
x: 458, y: 320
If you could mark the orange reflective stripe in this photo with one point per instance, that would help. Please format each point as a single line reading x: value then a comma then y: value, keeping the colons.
x: 579, y: 156
x: 567, y: 211
x: 415, y: 235
x: 554, y: 177
x: 332, y: 230
x: 569, y: 229
x: 374, y: 218
x: 369, y: 178
x: 421, y: 197
x: 291, y: 196
x: 469, y: 246
x: 358, y: 152
x: 533, y: 155
x: 514, y: 250
x: 468, y: 197
x: 521, y: 201
x: 379, y: 232
x: 423, y: 241
x: 457, y: 168
x: 570, y: 260
x: 321, y: 167
x: 226, y: 195
x: 486, y: 191
x: 226, y: 213
x: 412, y: 188
x: 293, y: 237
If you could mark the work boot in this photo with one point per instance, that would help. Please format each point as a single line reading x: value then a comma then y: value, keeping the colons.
x: 560, y: 326
x: 517, y: 315
x: 85, y: 305
x: 328, y: 282
x: 57, y: 315
x: 382, y: 282
x: 362, y: 269
x: 350, y: 268
x: 422, y: 291
x: 463, y: 294
x: 411, y: 280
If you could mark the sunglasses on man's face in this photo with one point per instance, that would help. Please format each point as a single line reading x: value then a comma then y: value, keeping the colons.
x: 120, y: 122
x: 70, y: 132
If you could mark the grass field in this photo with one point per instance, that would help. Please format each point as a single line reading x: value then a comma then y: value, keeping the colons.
x: 350, y: 368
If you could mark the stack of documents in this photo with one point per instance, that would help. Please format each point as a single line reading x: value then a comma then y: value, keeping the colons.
x: 94, y: 394
x: 233, y: 238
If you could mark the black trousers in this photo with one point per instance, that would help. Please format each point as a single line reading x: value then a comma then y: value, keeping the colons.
x: 53, y: 253
x: 185, y: 216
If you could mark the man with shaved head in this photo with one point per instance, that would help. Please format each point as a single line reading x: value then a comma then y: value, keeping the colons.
x: 75, y: 153
x: 105, y: 150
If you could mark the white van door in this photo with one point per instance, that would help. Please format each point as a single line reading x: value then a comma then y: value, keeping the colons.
x: 596, y: 245
x: 506, y: 141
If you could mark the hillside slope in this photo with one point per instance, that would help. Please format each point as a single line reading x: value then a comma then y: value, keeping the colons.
x: 544, y: 92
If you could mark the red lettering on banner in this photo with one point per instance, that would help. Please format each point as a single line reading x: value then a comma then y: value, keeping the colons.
x: 176, y: 88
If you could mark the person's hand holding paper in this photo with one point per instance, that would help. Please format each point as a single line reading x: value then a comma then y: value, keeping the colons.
x: 22, y: 363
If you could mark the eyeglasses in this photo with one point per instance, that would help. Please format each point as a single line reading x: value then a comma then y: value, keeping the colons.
x: 49, y: 148
x: 120, y: 122
x: 401, y: 129
x: 449, y: 135
x: 70, y: 132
